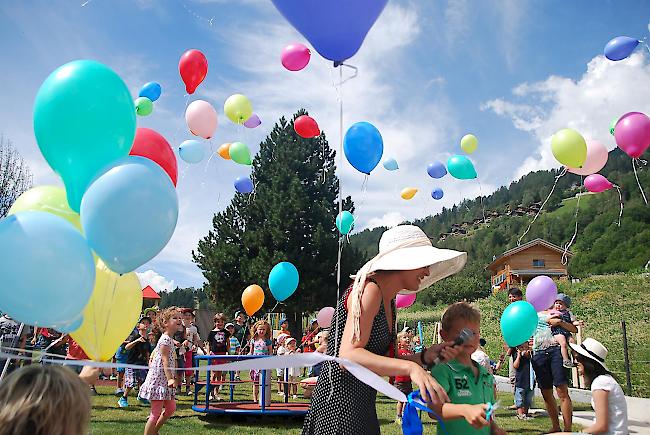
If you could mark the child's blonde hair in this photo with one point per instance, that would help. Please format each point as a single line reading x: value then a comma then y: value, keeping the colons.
x: 401, y: 335
x: 165, y: 316
x: 257, y: 325
x: 40, y: 400
x: 462, y: 311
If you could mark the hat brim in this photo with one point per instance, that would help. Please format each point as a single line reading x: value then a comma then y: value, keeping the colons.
x: 584, y: 353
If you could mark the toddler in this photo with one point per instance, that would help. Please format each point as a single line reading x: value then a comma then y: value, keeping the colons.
x: 524, y: 380
x: 260, y: 344
x: 292, y: 372
x: 403, y: 383
x: 561, y: 335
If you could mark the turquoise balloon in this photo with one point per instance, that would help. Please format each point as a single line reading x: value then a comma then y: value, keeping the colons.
x: 283, y: 280
x: 461, y: 167
x: 83, y: 120
x: 518, y: 323
x: 345, y: 222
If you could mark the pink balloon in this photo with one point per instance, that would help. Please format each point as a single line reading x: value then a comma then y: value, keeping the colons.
x: 405, y: 301
x: 596, y: 159
x: 632, y: 133
x: 597, y: 183
x: 324, y: 317
x: 201, y: 119
x: 295, y: 57
x: 541, y: 292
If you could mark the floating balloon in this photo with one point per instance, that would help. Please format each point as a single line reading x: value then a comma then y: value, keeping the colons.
x: 129, y: 213
x: 620, y: 47
x: 541, y: 292
x: 596, y: 159
x: 408, y: 193
x: 239, y: 153
x: 283, y: 280
x: 436, y: 169
x: 306, y: 127
x: 143, y: 106
x: 295, y: 57
x: 469, y: 143
x: 243, y: 185
x: 151, y: 90
x: 201, y: 119
x: 633, y: 133
x: 324, y: 317
x: 191, y: 151
x: 335, y: 28
x: 49, y: 199
x: 597, y: 183
x: 390, y: 164
x: 224, y: 151
x: 83, y: 121
x: 252, y: 299
x: 253, y: 121
x: 193, y: 67
x: 461, y: 167
x: 612, y: 126
x: 363, y: 146
x: 47, y: 269
x: 518, y: 323
x: 404, y: 301
x: 569, y: 148
x: 344, y: 223
x: 238, y: 108
x: 437, y: 193
x: 152, y: 145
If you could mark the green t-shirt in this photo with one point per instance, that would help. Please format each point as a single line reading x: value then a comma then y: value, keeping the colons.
x: 463, y: 388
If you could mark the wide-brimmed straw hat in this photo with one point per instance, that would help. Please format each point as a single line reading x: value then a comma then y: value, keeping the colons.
x: 592, y: 349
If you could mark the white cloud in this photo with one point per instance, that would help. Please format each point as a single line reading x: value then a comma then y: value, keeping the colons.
x: 387, y: 220
x: 158, y: 282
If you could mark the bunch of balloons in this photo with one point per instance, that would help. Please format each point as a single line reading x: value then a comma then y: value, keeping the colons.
x: 149, y: 93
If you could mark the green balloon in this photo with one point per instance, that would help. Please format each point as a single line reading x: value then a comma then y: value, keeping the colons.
x: 240, y: 153
x: 143, y: 106
x: 461, y: 167
x: 83, y: 121
x: 569, y: 148
x: 49, y: 199
x: 612, y: 126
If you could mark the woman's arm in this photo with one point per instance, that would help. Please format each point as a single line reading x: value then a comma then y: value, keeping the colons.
x: 562, y: 324
x: 169, y: 374
x: 601, y: 406
x: 445, y: 351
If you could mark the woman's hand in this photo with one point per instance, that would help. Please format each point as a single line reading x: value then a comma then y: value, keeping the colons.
x: 446, y: 351
x: 430, y: 389
x: 475, y: 415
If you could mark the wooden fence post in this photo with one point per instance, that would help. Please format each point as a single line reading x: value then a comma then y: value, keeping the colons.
x: 578, y: 380
x: 628, y: 375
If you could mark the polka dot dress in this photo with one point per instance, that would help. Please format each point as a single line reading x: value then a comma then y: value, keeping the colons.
x: 350, y: 408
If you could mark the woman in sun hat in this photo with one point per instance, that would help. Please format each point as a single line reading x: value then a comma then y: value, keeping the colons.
x: 363, y: 330
x: 607, y: 396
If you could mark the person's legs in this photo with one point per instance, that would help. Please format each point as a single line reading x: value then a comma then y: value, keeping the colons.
x: 528, y: 399
x: 154, y: 416
x: 551, y: 407
x: 541, y: 362
x: 511, y: 377
x: 561, y: 382
x: 566, y: 405
x: 170, y: 407
x: 519, y: 402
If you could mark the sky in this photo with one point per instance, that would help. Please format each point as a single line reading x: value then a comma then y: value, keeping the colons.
x: 511, y: 72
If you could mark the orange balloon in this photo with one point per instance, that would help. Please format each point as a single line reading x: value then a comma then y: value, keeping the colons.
x: 252, y: 299
x: 224, y: 151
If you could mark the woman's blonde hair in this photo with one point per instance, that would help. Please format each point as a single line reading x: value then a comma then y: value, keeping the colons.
x: 40, y: 400
x: 257, y: 325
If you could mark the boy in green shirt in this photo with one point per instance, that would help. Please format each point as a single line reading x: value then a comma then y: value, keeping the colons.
x: 469, y: 386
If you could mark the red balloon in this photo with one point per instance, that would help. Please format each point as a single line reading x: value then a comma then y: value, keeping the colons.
x: 152, y: 145
x: 306, y: 127
x: 193, y: 67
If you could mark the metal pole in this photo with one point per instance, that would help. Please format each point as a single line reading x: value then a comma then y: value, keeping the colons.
x: 8, y: 361
x: 628, y: 376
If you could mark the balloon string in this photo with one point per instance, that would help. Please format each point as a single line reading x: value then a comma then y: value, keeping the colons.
x: 480, y: 192
x: 530, y: 224
x: 620, y: 198
x: 187, y: 103
x: 634, y: 161
x: 205, y: 170
x: 565, y: 254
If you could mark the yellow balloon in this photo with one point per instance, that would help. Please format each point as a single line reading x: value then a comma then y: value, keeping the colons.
x: 569, y: 148
x: 50, y: 199
x: 224, y: 151
x: 469, y: 143
x: 238, y: 108
x: 408, y: 193
x: 252, y: 299
x: 111, y: 313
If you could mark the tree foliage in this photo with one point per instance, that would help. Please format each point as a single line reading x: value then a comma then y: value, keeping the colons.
x: 15, y: 176
x: 186, y: 298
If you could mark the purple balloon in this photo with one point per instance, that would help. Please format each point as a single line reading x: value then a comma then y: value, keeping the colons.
x: 253, y: 121
x: 436, y: 169
x: 541, y: 292
x: 243, y: 185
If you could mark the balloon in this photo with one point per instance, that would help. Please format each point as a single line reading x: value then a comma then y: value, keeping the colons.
x: 201, y: 119
x: 569, y: 148
x: 612, y: 126
x: 620, y: 47
x: 253, y: 121
x: 436, y: 169
x: 224, y: 151
x: 633, y: 133
x: 404, y: 301
x: 461, y: 167
x: 437, y: 193
x: 152, y: 145
x: 518, y: 323
x: 240, y: 153
x: 344, y: 223
x: 295, y: 57
x: 191, y: 151
x: 390, y: 164
x: 335, y: 28
x: 252, y: 299
x: 70, y: 326
x: 243, y: 185
x: 129, y: 213
x: 596, y: 159
x: 49, y: 199
x: 83, y: 121
x: 143, y: 106
x: 109, y: 316
x: 151, y: 90
x: 469, y: 143
x: 283, y: 280
x: 47, y: 269
x: 363, y: 146
x: 597, y: 183
x: 541, y: 292
x: 306, y: 127
x: 324, y: 317
x: 408, y: 193
x: 193, y: 68
x: 238, y: 108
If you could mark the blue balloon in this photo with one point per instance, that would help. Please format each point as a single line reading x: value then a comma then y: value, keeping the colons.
x: 345, y: 222
x: 47, y: 269
x: 363, y: 146
x: 461, y: 167
x: 390, y: 164
x: 283, y: 280
x: 191, y: 151
x: 518, y: 323
x: 620, y: 47
x: 129, y: 213
x: 437, y: 193
x: 151, y: 90
x: 335, y: 28
x: 436, y: 169
x: 243, y: 185
x: 70, y: 326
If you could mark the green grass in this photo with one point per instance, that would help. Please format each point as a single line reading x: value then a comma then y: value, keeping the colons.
x: 568, y: 206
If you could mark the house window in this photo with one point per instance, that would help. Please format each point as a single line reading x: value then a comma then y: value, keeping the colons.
x: 538, y: 263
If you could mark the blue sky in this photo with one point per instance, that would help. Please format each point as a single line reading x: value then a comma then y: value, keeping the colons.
x: 511, y: 72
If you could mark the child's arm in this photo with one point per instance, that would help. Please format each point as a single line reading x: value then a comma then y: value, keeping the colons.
x: 474, y: 414
x: 517, y: 360
x: 169, y: 374
x: 250, y: 347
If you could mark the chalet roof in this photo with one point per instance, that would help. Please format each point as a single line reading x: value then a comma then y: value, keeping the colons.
x: 149, y: 293
x: 535, y: 242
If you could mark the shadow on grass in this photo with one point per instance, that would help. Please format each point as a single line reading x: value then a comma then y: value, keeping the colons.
x: 221, y: 421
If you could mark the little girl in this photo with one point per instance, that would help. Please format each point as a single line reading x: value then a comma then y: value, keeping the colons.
x: 293, y: 372
x: 403, y: 383
x: 260, y: 344
x: 160, y: 385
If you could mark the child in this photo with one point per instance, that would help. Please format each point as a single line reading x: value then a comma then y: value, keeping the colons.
x: 293, y: 372
x: 120, y: 357
x: 160, y: 385
x: 322, y: 338
x: 524, y: 381
x: 234, y: 346
x: 137, y: 347
x: 284, y: 327
x: 280, y: 372
x: 403, y: 383
x: 469, y: 386
x: 192, y: 343
x: 260, y: 344
x: 481, y: 357
x: 218, y: 341
x: 562, y: 336
x: 416, y: 345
